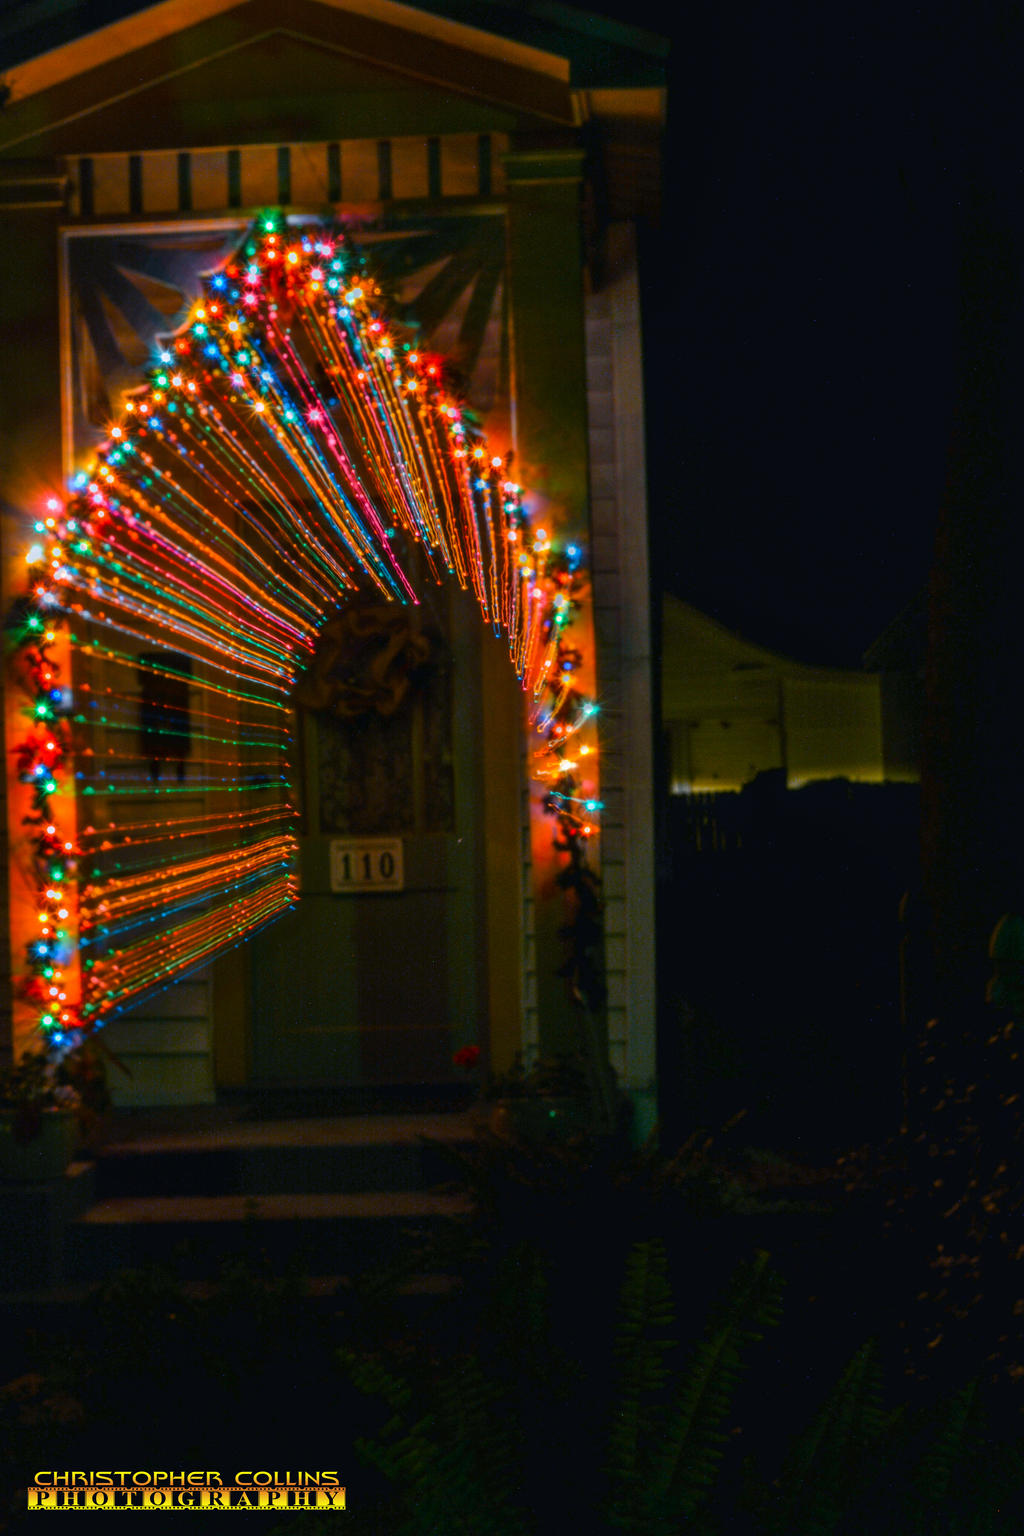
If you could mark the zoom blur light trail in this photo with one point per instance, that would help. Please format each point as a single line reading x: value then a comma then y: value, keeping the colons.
x: 291, y: 449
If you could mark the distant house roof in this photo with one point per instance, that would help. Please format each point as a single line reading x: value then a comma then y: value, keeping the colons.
x: 693, y: 642
x: 902, y: 644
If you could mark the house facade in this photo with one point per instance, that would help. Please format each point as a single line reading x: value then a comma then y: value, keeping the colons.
x: 493, y: 169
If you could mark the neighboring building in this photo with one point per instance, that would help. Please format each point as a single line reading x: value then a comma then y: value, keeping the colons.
x: 733, y: 710
x: 496, y: 164
x: 791, y: 842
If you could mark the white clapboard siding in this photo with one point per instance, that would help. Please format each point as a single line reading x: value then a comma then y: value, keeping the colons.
x: 167, y: 1047
x: 166, y: 1044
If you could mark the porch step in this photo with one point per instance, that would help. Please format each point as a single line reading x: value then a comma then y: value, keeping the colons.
x: 330, y: 1196
x: 350, y: 1155
x: 325, y: 1234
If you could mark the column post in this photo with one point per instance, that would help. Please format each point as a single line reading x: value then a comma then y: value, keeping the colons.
x: 32, y: 203
x: 545, y: 262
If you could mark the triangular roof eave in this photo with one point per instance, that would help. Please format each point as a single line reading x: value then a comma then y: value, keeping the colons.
x: 599, y: 51
x: 113, y: 64
x: 150, y: 23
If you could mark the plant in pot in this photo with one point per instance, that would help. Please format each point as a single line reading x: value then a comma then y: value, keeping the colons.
x: 82, y: 1071
x: 49, y: 1104
x: 547, y: 1101
x: 38, y: 1121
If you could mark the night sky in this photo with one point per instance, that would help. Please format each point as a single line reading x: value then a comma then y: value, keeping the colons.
x: 802, y: 314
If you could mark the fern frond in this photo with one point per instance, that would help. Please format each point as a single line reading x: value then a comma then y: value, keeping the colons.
x: 689, y: 1451
x: 831, y: 1459
x: 937, y: 1466
x: 456, y: 1465
x: 996, y: 1494
x: 370, y: 1376
x: 640, y: 1350
x: 645, y: 1299
x: 666, y: 1447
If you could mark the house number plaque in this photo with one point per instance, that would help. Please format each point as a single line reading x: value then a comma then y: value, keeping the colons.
x: 361, y: 864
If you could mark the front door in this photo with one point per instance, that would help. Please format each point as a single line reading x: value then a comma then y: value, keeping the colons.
x: 378, y: 976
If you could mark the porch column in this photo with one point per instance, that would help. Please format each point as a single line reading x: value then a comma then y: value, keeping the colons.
x: 545, y: 283
x: 32, y: 196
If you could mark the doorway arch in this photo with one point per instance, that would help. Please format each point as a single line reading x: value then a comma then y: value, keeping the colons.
x: 292, y: 451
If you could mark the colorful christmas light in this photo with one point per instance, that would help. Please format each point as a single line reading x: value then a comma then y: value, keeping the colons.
x: 293, y: 448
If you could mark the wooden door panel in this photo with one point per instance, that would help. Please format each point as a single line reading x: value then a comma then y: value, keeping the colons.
x: 349, y: 994
x: 371, y: 988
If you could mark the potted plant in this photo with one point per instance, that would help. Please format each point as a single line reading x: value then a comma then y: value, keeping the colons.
x: 82, y: 1072
x: 38, y: 1119
x: 548, y: 1101
x: 49, y: 1105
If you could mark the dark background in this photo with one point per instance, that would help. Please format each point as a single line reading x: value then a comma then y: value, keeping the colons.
x: 801, y: 310
x: 803, y: 355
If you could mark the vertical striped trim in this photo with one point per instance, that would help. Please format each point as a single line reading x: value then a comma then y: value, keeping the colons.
x: 384, y: 168
x: 234, y: 178
x: 185, y: 182
x: 284, y: 175
x: 483, y: 164
x: 85, y: 187
x: 433, y: 167
x: 409, y: 168
x: 334, y: 173
x: 135, y: 204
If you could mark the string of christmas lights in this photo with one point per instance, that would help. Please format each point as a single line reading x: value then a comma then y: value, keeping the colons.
x: 293, y: 448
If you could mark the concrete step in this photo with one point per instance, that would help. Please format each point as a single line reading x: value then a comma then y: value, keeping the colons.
x: 329, y: 1196
x: 324, y: 1234
x: 346, y: 1155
